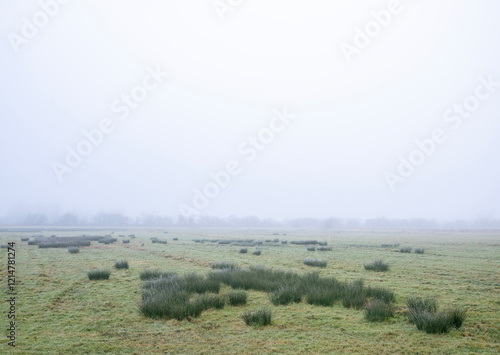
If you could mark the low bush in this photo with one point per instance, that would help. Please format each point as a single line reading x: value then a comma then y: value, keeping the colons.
x: 126, y: 241
x: 98, y: 274
x: 311, y: 249
x: 314, y: 262
x: 419, y: 250
x: 260, y: 317
x: 237, y: 298
x: 243, y: 251
x: 257, y: 252
x: 73, y: 250
x: 324, y: 249
x: 25, y: 239
x: 405, y: 250
x: 378, y: 311
x: 176, y: 238
x: 377, y: 265
x: 121, y: 264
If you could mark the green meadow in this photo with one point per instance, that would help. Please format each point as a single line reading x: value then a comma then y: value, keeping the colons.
x: 59, y: 310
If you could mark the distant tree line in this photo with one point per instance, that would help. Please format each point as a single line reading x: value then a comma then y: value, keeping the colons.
x: 119, y: 219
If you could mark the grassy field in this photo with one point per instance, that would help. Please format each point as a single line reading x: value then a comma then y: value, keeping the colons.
x: 58, y: 310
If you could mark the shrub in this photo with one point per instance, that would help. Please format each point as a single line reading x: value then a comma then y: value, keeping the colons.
x: 243, y: 251
x: 378, y: 311
x: 284, y: 295
x: 176, y: 238
x: 121, y: 264
x: 324, y: 249
x: 323, y: 244
x: 260, y: 317
x: 73, y: 250
x: 257, y: 252
x: 149, y: 274
x: 405, y: 250
x: 98, y: 274
x: 314, y: 262
x: 419, y: 250
x: 126, y: 241
x: 237, y: 298
x: 25, y: 239
x: 311, y: 249
x: 284, y: 242
x: 4, y: 246
x: 377, y: 265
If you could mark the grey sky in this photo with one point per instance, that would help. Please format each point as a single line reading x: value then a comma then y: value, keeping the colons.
x: 229, y: 73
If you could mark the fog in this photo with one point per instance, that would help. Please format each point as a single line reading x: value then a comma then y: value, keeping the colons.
x: 275, y: 109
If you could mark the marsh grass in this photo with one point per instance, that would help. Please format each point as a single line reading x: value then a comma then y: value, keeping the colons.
x: 237, y: 298
x: 98, y: 274
x: 378, y: 311
x: 376, y: 265
x: 314, y: 262
x: 121, y: 264
x: 424, y: 314
x: 260, y: 317
x: 151, y: 274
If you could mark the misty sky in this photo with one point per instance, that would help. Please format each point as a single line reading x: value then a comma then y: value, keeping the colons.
x: 306, y: 107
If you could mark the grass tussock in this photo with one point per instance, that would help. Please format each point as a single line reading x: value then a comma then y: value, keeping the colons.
x: 121, y: 264
x: 223, y: 265
x: 178, y: 297
x: 376, y: 265
x: 424, y: 314
x: 260, y: 317
x: 314, y: 262
x: 378, y: 311
x: 285, y: 295
x: 151, y: 274
x: 237, y: 298
x: 98, y: 274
